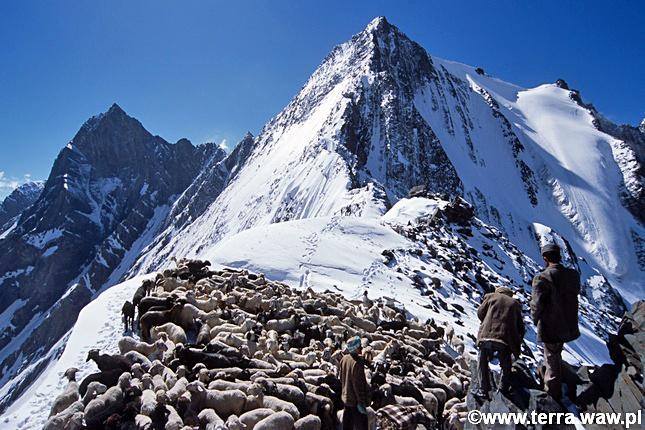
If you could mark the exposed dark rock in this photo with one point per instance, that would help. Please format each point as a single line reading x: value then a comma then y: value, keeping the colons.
x: 561, y: 83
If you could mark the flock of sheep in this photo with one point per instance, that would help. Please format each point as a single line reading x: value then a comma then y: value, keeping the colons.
x: 233, y: 350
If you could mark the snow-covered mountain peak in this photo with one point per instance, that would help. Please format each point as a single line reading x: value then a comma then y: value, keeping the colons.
x: 377, y: 24
x: 380, y: 115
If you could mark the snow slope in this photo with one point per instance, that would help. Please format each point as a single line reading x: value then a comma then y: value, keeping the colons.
x: 578, y: 177
x: 98, y: 326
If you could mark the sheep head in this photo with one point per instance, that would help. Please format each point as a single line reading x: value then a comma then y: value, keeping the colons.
x: 161, y: 397
x: 203, y: 376
x: 92, y: 354
x: 198, y: 367
x: 195, y: 387
x: 124, y: 381
x: 146, y: 381
x: 137, y: 370
x: 156, y: 368
x: 234, y: 423
x: 70, y: 374
x: 160, y: 344
x: 256, y: 389
x: 181, y: 371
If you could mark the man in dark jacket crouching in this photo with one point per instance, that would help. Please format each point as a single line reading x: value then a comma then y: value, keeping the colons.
x: 554, y: 309
x: 501, y: 332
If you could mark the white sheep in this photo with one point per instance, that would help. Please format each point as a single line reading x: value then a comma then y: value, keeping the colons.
x: 280, y: 405
x: 173, y: 421
x: 225, y: 403
x: 233, y: 423
x: 61, y: 419
x: 278, y: 421
x: 142, y: 422
x: 310, y: 422
x: 282, y: 325
x: 252, y: 417
x: 148, y: 402
x: 103, y: 406
x: 209, y: 420
x: 175, y: 333
x: 127, y: 344
x: 94, y: 388
x: 177, y: 389
x: 69, y: 394
x: 207, y: 305
x: 138, y: 359
x: 231, y: 339
x: 223, y: 385
x: 232, y: 328
x: 169, y: 377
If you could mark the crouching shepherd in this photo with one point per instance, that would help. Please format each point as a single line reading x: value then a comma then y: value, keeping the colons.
x: 500, y: 333
x: 554, y: 309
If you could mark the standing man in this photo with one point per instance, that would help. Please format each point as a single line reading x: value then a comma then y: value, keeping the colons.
x: 554, y: 309
x: 354, y: 387
x: 501, y: 332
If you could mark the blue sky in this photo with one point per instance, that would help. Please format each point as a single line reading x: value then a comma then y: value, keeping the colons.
x: 211, y: 70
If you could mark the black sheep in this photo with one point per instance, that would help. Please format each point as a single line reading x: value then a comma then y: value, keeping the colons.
x: 113, y: 422
x: 154, y: 318
x: 109, y: 378
x: 147, y: 303
x: 392, y: 325
x: 160, y: 414
x: 226, y: 351
x: 212, y: 360
x: 108, y: 362
x: 142, y: 291
x: 148, y: 286
x: 127, y: 312
x: 336, y: 387
x: 407, y: 389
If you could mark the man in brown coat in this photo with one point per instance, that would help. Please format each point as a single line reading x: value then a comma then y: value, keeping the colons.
x: 501, y: 332
x: 354, y: 387
x: 554, y: 309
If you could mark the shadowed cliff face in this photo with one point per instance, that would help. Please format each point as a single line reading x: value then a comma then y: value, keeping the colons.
x: 108, y: 188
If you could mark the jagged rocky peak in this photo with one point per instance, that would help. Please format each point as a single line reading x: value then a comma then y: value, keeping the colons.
x: 641, y: 127
x: 20, y: 199
x: 105, y: 197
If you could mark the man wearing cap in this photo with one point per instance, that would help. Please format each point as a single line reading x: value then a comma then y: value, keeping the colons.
x: 554, y: 309
x: 501, y: 333
x: 354, y: 387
